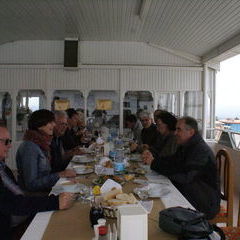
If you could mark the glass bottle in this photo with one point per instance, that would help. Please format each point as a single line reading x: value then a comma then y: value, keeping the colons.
x: 96, y: 212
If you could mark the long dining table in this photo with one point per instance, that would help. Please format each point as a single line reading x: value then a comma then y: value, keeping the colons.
x: 74, y: 223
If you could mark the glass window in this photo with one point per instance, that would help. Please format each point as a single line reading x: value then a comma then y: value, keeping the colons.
x: 193, y: 104
x: 103, y: 109
x: 135, y: 101
x: 28, y: 101
x: 168, y: 102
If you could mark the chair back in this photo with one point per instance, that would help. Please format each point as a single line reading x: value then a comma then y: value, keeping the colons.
x: 225, y: 169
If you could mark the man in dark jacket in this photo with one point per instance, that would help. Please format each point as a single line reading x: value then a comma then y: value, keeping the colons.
x: 70, y: 140
x: 149, y: 133
x: 13, y: 202
x: 193, y: 169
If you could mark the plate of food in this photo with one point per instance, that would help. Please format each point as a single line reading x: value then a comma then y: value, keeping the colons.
x: 86, y: 150
x: 116, y: 197
x: 82, y: 169
x: 136, y: 170
x: 82, y: 159
x: 65, y: 187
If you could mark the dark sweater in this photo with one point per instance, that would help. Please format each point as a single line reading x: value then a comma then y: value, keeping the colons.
x: 58, y: 164
x: 70, y: 140
x: 149, y: 135
x: 19, y: 205
x: 193, y: 171
x: 167, y: 146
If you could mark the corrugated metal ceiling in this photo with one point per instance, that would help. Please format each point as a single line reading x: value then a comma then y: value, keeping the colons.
x: 191, y: 26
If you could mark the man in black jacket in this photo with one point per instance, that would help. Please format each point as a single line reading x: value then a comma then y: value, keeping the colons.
x: 149, y: 133
x: 193, y: 169
x: 70, y: 140
x: 13, y: 202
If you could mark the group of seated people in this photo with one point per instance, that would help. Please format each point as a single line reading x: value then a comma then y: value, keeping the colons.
x: 171, y: 146
x: 48, y: 145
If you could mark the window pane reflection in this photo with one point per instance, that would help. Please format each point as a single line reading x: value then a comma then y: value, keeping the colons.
x: 28, y: 101
x: 103, y: 109
x: 6, y: 109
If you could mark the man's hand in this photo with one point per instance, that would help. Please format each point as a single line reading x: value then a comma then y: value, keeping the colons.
x: 68, y: 173
x: 133, y: 147
x: 66, y: 200
x: 147, y: 157
x: 145, y: 147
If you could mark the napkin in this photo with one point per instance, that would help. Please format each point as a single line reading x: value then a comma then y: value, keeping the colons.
x: 147, y: 205
x: 108, y: 185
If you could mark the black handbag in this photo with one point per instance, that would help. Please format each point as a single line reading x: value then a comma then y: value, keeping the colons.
x: 188, y: 224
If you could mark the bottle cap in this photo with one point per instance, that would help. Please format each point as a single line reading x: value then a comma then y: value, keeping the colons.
x: 101, y: 221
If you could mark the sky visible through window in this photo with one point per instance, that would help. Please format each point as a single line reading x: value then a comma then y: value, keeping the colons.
x: 228, y: 89
x: 33, y: 103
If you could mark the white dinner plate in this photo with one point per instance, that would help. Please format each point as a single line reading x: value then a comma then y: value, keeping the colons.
x: 82, y: 159
x: 153, y: 190
x: 83, y: 171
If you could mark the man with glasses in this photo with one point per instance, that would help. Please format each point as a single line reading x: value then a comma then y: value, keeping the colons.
x: 149, y: 133
x: 192, y: 169
x: 70, y: 139
x: 15, y: 207
x: 59, y: 158
x: 135, y: 126
x: 58, y: 162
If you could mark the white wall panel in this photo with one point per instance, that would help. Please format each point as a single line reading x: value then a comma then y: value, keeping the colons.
x: 162, y: 79
x: 90, y: 52
x: 107, y: 79
x: 22, y: 78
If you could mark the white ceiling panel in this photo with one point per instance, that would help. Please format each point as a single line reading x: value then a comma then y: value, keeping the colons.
x: 196, y: 27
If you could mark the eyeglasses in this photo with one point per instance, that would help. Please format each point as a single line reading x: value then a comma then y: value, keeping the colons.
x: 63, y: 124
x: 6, y: 141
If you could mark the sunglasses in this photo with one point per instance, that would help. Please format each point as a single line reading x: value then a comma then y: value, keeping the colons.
x: 6, y: 141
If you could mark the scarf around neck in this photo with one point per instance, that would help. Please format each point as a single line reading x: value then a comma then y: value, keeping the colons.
x: 40, y: 138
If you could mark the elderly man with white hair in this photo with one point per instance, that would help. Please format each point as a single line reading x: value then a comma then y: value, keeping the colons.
x: 149, y: 132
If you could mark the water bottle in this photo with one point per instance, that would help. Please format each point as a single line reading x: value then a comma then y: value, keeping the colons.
x: 118, y: 143
x: 119, y: 160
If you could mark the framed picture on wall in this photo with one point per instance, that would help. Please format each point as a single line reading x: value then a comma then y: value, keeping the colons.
x: 104, y: 104
x: 61, y: 104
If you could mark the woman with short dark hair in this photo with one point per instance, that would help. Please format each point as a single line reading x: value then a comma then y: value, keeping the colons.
x: 33, y: 155
x: 166, y: 125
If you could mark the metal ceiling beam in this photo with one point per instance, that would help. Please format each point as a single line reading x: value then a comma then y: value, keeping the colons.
x: 222, y: 48
x: 177, y: 53
x: 144, y: 8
